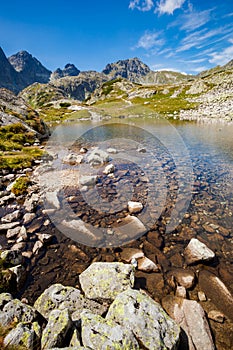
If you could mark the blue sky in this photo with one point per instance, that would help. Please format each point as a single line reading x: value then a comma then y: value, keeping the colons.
x: 183, y: 35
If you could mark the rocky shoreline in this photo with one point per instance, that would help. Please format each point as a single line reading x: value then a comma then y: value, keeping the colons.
x: 179, y: 271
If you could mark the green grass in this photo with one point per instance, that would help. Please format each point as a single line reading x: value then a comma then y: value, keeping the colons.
x: 22, y: 159
x: 160, y: 104
x: 21, y: 185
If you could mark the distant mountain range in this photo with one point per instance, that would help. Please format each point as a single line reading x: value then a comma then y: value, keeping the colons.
x: 22, y: 70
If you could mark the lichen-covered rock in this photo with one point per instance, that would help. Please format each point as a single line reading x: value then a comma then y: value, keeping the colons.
x: 54, y: 334
x: 104, y: 281
x: 98, y: 333
x: 147, y: 320
x: 61, y: 297
x: 197, y: 251
x: 4, y: 299
x: 23, y: 334
x: 13, y: 257
x: 191, y: 317
x: 16, y: 310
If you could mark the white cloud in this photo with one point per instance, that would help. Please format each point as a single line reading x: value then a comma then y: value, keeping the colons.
x: 222, y: 57
x: 201, y: 38
x: 145, y: 5
x: 169, y: 6
x: 149, y: 40
x: 192, y: 20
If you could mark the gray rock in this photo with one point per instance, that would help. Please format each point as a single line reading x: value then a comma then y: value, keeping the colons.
x: 44, y: 237
x: 13, y: 257
x: 73, y: 159
x: 104, y: 281
x: 97, y: 157
x: 98, y: 333
x: 5, y: 227
x: 22, y: 334
x: 13, y: 232
x: 52, y: 198
x: 31, y: 203
x: 22, y: 236
x: 109, y: 169
x: 88, y: 180
x: 4, y: 299
x: 37, y: 246
x: 131, y: 228
x: 197, y: 251
x: 147, y: 320
x: 28, y: 217
x: 112, y: 150
x: 16, y: 310
x: 147, y: 265
x: 11, y: 217
x: 54, y: 334
x: 191, y: 318
x: 60, y: 297
x: 134, y: 207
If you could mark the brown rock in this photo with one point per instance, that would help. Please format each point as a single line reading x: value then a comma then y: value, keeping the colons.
x: 128, y: 254
x: 191, y: 317
x: 216, y: 290
x: 147, y: 265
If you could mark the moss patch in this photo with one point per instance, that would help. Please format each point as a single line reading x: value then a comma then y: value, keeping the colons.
x: 21, y: 185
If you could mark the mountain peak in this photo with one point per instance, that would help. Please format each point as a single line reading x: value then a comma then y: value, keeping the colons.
x: 70, y: 70
x: 131, y: 68
x: 30, y: 69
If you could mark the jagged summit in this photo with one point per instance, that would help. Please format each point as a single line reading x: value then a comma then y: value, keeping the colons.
x: 30, y: 69
x: 132, y: 69
x: 69, y: 71
x: 9, y: 78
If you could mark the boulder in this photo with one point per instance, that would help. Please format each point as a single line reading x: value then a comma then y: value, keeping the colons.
x: 191, y: 318
x: 104, y: 281
x: 52, y: 198
x: 197, y: 251
x: 109, y: 169
x: 24, y: 335
x: 97, y: 157
x: 13, y: 232
x: 98, y: 333
x: 216, y: 290
x: 11, y: 217
x: 16, y: 310
x: 88, y: 180
x: 60, y: 297
x: 147, y: 265
x: 7, y: 226
x: 130, y: 228
x: 184, y: 278
x: 73, y: 159
x: 13, y: 257
x: 152, y: 327
x: 54, y: 334
x: 134, y: 207
x: 28, y: 217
